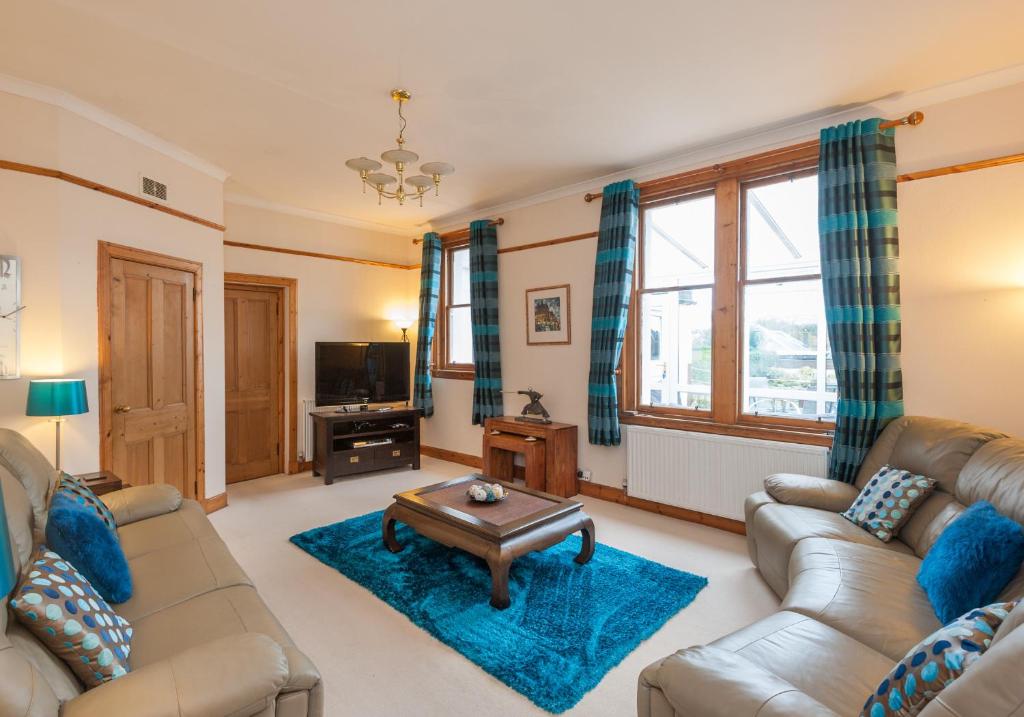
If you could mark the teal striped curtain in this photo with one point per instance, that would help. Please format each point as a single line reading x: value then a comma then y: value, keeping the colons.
x: 857, y: 223
x: 483, y: 310
x: 613, y: 278
x: 430, y: 286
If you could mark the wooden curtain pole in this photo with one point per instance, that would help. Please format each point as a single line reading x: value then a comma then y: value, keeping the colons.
x: 458, y: 232
x: 911, y: 120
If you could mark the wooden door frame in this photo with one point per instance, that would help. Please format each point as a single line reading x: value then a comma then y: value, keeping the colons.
x: 105, y: 253
x: 292, y: 286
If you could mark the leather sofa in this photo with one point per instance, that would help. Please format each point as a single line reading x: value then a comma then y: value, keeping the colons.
x: 851, y: 606
x: 204, y: 645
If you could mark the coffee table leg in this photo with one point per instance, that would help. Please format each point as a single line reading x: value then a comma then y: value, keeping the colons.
x: 388, y: 530
x: 587, y: 550
x: 499, y: 564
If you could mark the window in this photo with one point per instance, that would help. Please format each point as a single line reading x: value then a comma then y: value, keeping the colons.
x: 453, y: 348
x: 727, y: 326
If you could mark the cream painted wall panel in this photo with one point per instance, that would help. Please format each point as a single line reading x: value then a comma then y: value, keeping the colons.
x: 450, y: 427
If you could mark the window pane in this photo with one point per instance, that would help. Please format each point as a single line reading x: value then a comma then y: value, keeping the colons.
x: 676, y: 349
x: 460, y: 336
x: 679, y: 243
x: 460, y: 276
x: 782, y: 229
x: 787, y: 363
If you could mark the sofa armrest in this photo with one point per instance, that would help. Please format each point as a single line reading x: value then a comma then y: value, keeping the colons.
x: 239, y: 676
x: 140, y: 502
x: 812, y: 492
x: 712, y: 682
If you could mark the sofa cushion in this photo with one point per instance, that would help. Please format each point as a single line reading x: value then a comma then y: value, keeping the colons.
x: 30, y: 468
x: 184, y: 525
x: 831, y: 667
x: 887, y: 501
x: 935, y: 662
x: 216, y: 614
x: 77, y: 491
x: 60, y: 607
x: 78, y: 534
x: 996, y: 474
x: 972, y: 561
x: 777, y: 528
x: 865, y: 592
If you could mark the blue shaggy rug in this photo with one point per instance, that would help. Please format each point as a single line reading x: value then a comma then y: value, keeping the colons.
x: 567, y: 626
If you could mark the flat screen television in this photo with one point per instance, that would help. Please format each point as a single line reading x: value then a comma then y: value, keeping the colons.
x: 361, y: 372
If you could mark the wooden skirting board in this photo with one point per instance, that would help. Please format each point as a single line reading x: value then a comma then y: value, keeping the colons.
x: 215, y: 502
x: 305, y: 466
x: 605, y: 492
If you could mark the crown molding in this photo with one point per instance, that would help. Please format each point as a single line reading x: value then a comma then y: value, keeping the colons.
x: 75, y: 105
x: 244, y: 200
x: 760, y: 139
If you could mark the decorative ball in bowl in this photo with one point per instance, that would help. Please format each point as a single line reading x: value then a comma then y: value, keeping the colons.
x: 487, y: 493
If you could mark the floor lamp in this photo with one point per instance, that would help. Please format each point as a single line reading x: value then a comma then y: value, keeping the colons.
x: 56, y: 398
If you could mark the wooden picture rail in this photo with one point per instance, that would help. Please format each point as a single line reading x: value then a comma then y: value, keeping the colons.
x: 319, y: 255
x: 110, y: 191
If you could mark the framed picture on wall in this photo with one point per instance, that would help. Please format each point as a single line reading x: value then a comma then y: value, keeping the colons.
x: 10, y: 316
x: 547, y: 315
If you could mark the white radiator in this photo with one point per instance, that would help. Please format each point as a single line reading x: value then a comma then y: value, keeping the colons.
x: 708, y: 472
x: 306, y: 421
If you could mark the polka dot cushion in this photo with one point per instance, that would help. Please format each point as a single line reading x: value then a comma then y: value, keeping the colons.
x: 887, y: 501
x: 60, y: 607
x: 80, y: 492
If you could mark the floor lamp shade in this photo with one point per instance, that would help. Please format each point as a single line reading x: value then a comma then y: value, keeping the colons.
x: 8, y: 572
x: 57, y: 397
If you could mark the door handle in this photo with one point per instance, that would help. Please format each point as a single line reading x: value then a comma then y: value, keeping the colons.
x: 122, y: 409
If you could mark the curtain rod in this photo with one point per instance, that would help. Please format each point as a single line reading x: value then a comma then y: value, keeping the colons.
x: 912, y: 120
x: 448, y: 235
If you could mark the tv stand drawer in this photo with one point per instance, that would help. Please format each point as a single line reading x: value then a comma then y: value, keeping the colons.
x: 354, y: 460
x: 394, y: 452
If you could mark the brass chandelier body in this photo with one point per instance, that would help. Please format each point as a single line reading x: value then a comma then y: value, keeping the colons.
x: 401, y: 158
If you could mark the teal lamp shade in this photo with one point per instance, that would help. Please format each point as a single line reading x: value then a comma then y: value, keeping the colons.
x: 57, y: 397
x: 8, y: 573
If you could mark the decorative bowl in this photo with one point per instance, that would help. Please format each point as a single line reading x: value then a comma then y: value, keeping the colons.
x: 487, y: 493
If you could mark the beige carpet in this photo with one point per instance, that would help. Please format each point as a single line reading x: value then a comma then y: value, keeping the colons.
x: 375, y: 662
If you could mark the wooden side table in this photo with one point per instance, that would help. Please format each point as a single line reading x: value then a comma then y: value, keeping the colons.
x: 101, y: 482
x: 550, y: 457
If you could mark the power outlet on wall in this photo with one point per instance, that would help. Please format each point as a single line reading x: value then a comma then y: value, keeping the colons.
x: 584, y: 474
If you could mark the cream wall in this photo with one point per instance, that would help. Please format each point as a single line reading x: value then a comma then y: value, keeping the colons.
x: 962, y: 274
x: 55, y: 226
x: 337, y: 301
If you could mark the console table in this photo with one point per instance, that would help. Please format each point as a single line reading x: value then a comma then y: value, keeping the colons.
x: 550, y: 455
x: 336, y: 438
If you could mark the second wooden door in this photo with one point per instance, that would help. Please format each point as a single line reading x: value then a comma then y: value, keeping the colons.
x: 254, y: 344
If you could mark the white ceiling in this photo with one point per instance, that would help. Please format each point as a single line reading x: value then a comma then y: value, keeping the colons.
x: 521, y: 97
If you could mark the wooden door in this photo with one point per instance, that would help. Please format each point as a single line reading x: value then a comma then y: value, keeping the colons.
x: 254, y: 342
x: 152, y: 374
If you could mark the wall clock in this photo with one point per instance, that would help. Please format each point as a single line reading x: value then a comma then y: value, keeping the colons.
x: 10, y: 316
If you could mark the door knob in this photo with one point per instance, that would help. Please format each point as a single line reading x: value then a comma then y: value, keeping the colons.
x: 122, y: 409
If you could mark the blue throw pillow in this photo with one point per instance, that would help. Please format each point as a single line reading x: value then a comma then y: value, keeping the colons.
x: 76, y: 533
x: 972, y: 561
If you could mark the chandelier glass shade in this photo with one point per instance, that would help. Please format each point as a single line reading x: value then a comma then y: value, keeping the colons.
x: 414, y: 187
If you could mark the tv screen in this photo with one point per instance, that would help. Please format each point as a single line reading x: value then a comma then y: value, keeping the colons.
x: 361, y: 372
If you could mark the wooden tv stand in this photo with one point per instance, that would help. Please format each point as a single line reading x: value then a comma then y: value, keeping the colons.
x: 335, y: 456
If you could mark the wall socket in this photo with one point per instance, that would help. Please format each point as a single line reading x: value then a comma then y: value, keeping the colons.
x: 584, y: 474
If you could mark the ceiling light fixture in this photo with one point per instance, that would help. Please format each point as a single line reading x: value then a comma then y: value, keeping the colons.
x: 419, y: 183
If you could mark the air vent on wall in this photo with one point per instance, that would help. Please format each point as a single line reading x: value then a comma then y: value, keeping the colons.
x: 155, y: 189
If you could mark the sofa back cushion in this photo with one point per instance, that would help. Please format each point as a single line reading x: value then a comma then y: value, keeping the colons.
x: 996, y: 474
x: 20, y: 517
x: 31, y: 468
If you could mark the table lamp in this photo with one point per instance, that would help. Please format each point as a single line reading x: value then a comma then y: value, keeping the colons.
x: 57, y: 397
x: 404, y: 323
x: 8, y: 572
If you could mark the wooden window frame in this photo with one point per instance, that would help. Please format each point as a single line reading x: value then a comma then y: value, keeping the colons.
x: 441, y: 364
x: 727, y: 181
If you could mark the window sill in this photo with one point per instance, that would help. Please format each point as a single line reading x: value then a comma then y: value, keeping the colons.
x: 809, y: 436
x: 457, y: 373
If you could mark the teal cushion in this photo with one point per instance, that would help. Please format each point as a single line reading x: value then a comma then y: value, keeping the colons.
x: 77, y: 533
x: 80, y: 492
x: 887, y: 501
x: 935, y: 663
x: 62, y: 609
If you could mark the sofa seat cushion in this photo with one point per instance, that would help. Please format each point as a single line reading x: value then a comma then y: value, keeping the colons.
x: 868, y: 593
x: 833, y: 668
x: 220, y: 613
x: 173, y: 558
x: 777, y: 528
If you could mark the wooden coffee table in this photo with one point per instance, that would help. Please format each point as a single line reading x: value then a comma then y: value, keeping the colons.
x: 525, y: 521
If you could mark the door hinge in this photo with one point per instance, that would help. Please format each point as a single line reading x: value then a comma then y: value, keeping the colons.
x: 195, y: 293
x: 195, y: 489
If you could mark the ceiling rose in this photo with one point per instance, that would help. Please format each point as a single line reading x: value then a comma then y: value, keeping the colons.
x: 370, y: 174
